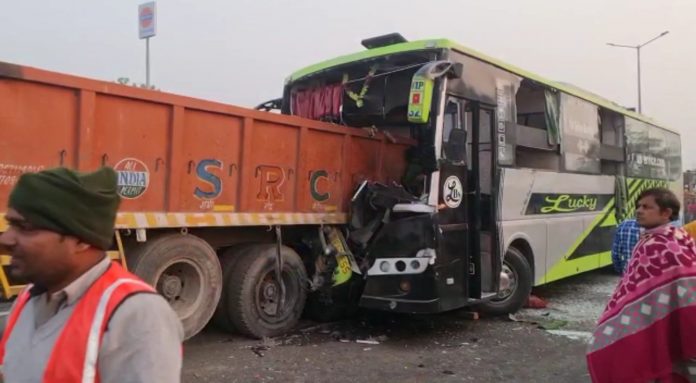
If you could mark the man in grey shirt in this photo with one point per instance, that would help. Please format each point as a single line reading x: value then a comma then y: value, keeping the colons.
x: 83, y: 317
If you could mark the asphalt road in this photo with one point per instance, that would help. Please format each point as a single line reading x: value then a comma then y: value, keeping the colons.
x: 542, y: 345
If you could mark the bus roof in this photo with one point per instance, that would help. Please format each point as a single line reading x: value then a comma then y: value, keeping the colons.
x: 448, y: 44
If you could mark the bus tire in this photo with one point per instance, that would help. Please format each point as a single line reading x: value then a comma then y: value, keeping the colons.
x: 185, y: 270
x: 511, y: 300
x: 253, y: 293
x: 228, y: 260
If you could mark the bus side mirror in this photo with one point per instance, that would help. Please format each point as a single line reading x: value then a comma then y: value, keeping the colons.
x: 455, y: 70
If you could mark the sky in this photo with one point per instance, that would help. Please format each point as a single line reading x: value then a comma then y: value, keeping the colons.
x: 241, y: 51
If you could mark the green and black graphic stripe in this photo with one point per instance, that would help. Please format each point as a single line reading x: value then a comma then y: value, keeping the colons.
x: 599, y: 239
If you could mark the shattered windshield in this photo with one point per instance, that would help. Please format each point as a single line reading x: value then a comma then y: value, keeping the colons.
x: 366, y: 93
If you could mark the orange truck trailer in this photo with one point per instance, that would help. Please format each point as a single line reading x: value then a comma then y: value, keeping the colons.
x: 219, y: 203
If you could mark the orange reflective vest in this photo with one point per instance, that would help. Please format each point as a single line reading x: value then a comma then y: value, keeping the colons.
x: 79, y: 342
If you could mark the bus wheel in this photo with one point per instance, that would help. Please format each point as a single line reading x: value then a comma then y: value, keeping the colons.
x: 185, y: 270
x: 255, y: 305
x: 512, y: 298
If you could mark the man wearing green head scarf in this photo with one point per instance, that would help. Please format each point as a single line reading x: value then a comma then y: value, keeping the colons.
x: 82, y: 318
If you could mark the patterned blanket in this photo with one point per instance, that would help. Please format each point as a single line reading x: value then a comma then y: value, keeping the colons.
x: 647, y: 332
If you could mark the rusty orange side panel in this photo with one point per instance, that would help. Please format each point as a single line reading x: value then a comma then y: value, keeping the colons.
x: 183, y: 161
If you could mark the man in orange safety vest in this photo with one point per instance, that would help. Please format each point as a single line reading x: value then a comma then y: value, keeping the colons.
x: 82, y: 318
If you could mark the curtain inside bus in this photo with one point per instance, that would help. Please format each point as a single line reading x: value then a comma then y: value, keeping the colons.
x: 320, y: 103
x: 552, y: 114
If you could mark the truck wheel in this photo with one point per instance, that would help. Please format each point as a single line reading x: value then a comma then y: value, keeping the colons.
x: 253, y: 293
x: 510, y: 300
x: 228, y: 260
x: 185, y: 270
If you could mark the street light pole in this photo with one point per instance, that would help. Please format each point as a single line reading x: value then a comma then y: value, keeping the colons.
x: 147, y: 62
x: 637, y: 48
x: 640, y: 98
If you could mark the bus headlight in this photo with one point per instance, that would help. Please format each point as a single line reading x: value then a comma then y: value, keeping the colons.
x: 384, y: 266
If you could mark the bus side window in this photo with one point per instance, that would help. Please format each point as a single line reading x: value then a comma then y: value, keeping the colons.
x: 612, y: 153
x: 536, y: 144
x: 453, y: 135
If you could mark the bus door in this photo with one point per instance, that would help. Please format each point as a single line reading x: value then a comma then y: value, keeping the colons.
x: 452, y: 217
x: 484, y: 253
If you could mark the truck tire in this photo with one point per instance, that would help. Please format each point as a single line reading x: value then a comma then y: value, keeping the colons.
x: 253, y: 294
x: 512, y: 299
x: 185, y: 270
x: 228, y: 260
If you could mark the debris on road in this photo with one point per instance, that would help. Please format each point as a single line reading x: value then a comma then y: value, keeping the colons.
x: 535, y: 302
x: 517, y: 317
x: 553, y: 324
x: 574, y: 335
x: 259, y: 349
